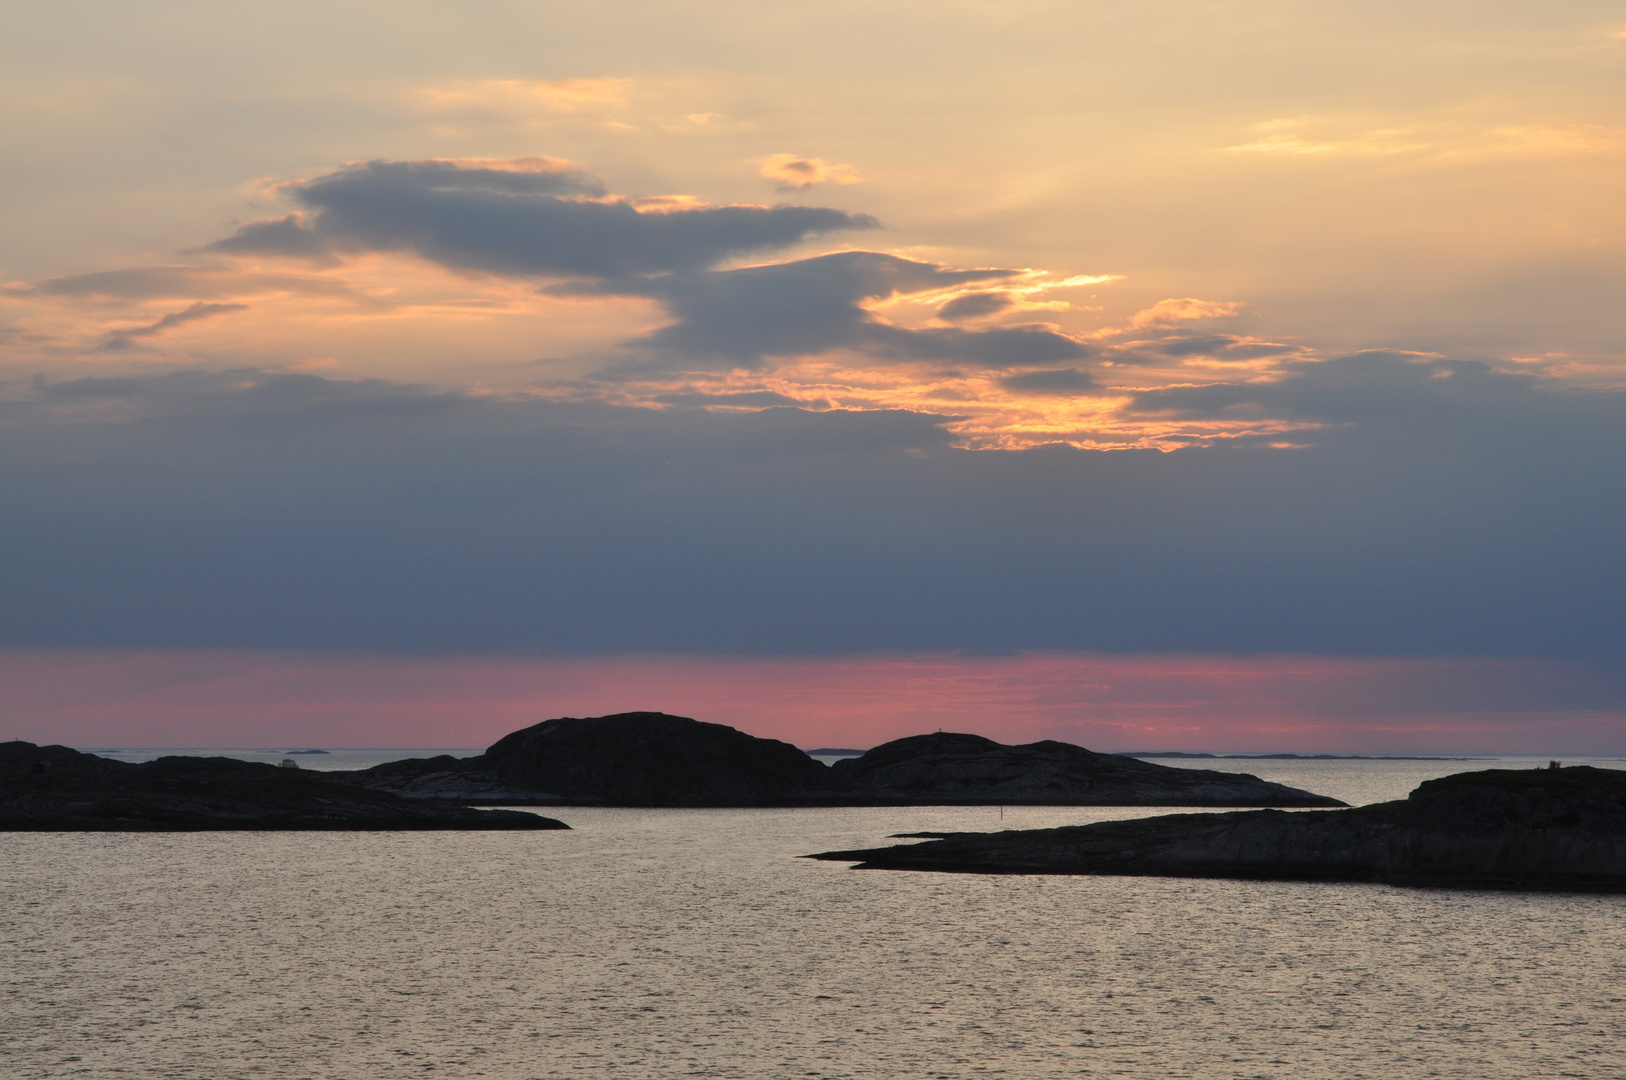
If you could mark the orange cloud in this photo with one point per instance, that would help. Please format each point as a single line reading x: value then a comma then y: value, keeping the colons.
x: 1183, y: 309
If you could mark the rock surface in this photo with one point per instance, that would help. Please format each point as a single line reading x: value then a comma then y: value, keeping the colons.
x: 53, y: 788
x: 653, y: 759
x: 946, y: 769
x: 1550, y: 829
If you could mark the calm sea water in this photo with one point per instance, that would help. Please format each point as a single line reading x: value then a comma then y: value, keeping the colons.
x: 693, y: 943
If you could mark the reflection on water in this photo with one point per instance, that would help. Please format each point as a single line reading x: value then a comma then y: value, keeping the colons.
x: 651, y: 943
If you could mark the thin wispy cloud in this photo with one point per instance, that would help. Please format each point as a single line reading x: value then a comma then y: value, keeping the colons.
x: 1283, y: 136
x: 527, y: 97
x: 123, y: 339
x: 1430, y: 139
x: 790, y: 172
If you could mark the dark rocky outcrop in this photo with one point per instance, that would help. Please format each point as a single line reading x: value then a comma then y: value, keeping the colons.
x: 1551, y: 829
x: 55, y: 789
x: 652, y: 759
x: 451, y: 779
x: 629, y: 759
x: 949, y: 769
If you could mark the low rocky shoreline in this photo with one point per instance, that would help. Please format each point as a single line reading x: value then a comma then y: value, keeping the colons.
x: 1557, y: 829
x: 55, y: 789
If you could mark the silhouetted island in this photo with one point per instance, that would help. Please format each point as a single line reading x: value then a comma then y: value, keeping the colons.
x: 55, y: 789
x: 947, y: 769
x: 653, y: 759
x: 630, y: 759
x: 1560, y: 829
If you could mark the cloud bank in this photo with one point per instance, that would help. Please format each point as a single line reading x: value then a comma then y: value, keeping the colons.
x: 539, y: 218
x: 1470, y: 514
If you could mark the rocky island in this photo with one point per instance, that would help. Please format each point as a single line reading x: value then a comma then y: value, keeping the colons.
x: 654, y: 759
x: 55, y: 789
x: 1561, y: 829
x: 629, y: 759
x: 948, y: 769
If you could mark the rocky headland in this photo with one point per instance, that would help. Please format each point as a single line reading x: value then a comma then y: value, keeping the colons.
x: 55, y: 789
x: 654, y: 759
x: 1547, y: 829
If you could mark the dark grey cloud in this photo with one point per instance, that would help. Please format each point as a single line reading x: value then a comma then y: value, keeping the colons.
x: 975, y: 305
x: 1000, y: 346
x: 758, y: 399
x: 815, y: 305
x: 165, y: 282
x: 288, y: 238
x: 124, y: 339
x: 1376, y: 386
x: 1467, y: 514
x: 1060, y: 381
x: 547, y: 220
x: 544, y: 221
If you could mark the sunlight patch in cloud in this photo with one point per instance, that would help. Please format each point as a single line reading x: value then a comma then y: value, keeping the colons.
x: 1185, y: 309
x: 1024, y: 285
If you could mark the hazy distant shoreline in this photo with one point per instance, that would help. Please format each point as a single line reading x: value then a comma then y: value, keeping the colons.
x: 1296, y: 757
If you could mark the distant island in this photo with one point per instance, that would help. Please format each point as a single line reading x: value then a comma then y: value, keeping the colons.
x: 1556, y: 828
x: 55, y: 789
x: 655, y: 759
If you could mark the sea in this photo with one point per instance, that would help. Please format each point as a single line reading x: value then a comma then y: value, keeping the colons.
x: 696, y: 943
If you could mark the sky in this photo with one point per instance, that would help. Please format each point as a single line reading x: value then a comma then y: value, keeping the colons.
x: 1173, y: 375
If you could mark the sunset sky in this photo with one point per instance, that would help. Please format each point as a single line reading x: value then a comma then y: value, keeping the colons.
x: 1186, y: 375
